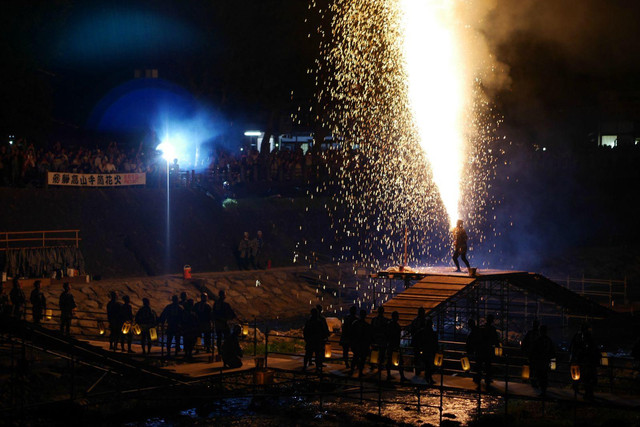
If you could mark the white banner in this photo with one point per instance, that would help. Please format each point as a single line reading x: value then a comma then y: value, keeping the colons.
x: 96, y: 179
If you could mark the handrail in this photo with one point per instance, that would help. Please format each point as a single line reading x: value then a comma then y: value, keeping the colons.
x: 9, y: 238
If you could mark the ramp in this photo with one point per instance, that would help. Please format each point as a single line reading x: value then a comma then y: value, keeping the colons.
x: 435, y: 289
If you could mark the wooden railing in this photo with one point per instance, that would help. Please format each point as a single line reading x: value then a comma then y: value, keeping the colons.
x: 38, y: 239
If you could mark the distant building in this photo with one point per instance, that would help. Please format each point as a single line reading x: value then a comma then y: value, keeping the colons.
x: 619, y: 119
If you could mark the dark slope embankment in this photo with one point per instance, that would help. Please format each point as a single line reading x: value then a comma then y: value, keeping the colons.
x: 124, y: 230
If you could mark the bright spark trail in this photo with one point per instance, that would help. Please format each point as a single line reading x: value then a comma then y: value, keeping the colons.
x: 397, y: 86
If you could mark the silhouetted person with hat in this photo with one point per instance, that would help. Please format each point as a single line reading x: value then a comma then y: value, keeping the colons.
x: 460, y: 245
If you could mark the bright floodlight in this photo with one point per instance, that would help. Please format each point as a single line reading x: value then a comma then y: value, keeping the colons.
x: 253, y: 133
x: 168, y: 152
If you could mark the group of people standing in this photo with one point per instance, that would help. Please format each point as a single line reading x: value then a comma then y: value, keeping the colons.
x: 14, y: 304
x: 251, y: 252
x: 377, y: 340
x: 184, y: 321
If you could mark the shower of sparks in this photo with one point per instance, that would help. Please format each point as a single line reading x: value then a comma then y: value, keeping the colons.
x: 412, y: 128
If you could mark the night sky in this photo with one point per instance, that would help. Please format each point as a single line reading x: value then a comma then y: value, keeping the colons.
x: 244, y: 58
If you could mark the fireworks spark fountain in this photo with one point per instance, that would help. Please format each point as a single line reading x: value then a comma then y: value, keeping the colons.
x: 397, y: 87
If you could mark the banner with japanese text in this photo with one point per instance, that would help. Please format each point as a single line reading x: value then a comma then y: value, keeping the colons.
x: 96, y: 179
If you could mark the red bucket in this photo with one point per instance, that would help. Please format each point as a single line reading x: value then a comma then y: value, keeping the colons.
x: 187, y: 272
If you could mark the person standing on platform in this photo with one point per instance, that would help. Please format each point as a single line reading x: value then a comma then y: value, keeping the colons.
x: 584, y: 352
x: 172, y: 316
x: 67, y: 305
x: 379, y: 328
x: 231, y: 350
x: 314, y: 334
x: 471, y: 346
x: 114, y: 317
x: 190, y: 328
x: 204, y: 311
x: 127, y: 316
x: 429, y: 350
x: 416, y: 329
x: 527, y: 346
x: 345, y: 335
x: 222, y: 315
x: 38, y: 302
x: 460, y: 245
x: 542, y: 351
x: 361, y: 336
x: 394, y: 335
x: 18, y: 299
x: 486, y: 349
x: 244, y: 251
x: 147, y: 319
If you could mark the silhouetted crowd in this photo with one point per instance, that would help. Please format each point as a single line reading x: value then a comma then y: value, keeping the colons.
x: 184, y: 322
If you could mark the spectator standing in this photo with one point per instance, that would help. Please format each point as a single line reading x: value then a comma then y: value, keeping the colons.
x: 172, y: 316
x: 67, y: 304
x: 345, y: 335
x: 485, y: 352
x: 314, y: 335
x: 114, y: 317
x: 231, y: 351
x: 416, y: 329
x: 244, y: 251
x: 190, y: 329
x: 472, y: 345
x: 584, y: 352
x: 361, y: 336
x: 542, y: 351
x: 379, y: 328
x: 204, y: 312
x: 38, y: 302
x: 527, y: 346
x: 257, y: 256
x: 147, y: 319
x: 222, y: 315
x: 18, y: 299
x: 127, y: 316
x: 429, y: 349
x: 394, y: 334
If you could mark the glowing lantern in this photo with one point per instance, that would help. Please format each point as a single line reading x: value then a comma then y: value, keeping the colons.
x: 101, y: 328
x: 374, y: 356
x: 526, y: 372
x: 553, y: 365
x: 327, y: 351
x: 575, y: 372
x: 136, y: 329
x: 498, y: 350
x: 466, y: 365
x: 126, y: 327
x: 604, y: 359
x: 437, y: 360
x: 49, y: 314
x: 245, y: 329
x: 395, y: 358
x: 153, y: 334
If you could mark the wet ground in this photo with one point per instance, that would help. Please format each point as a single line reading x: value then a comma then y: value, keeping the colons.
x: 294, y: 411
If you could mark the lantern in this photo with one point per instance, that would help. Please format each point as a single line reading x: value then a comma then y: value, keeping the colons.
x: 101, y: 328
x: 245, y: 329
x: 327, y: 351
x: 575, y: 372
x: 526, y: 372
x: 126, y: 327
x: 498, y: 350
x: 466, y: 365
x: 553, y: 365
x: 136, y: 329
x: 49, y: 314
x: 437, y: 360
x: 395, y: 358
x: 153, y: 334
x: 604, y: 359
x: 374, y: 356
